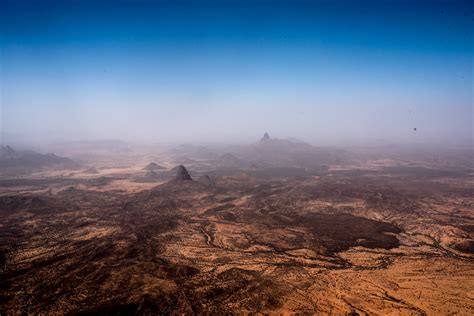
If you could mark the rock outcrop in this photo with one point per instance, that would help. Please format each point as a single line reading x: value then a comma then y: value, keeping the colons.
x: 182, y: 174
x: 265, y: 137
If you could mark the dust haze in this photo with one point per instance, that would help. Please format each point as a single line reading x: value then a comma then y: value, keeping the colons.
x: 223, y: 120
x: 221, y: 158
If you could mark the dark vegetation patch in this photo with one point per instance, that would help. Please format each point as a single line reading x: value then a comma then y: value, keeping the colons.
x: 218, y: 209
x: 423, y: 172
x: 355, y: 173
x: 15, y: 182
x: 226, y: 199
x: 467, y: 228
x: 100, y: 181
x: 244, y: 288
x: 466, y: 246
x: 338, y: 232
x: 147, y: 305
x: 279, y: 172
x: 229, y: 216
x: 35, y: 204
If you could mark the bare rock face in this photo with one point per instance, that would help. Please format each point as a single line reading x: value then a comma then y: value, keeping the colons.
x: 265, y: 137
x: 182, y: 174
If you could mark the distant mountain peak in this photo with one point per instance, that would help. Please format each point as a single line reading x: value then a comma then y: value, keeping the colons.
x: 153, y: 166
x: 7, y: 152
x: 265, y: 137
x: 182, y: 174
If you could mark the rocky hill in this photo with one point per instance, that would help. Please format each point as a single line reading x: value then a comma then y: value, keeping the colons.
x: 182, y: 174
x: 15, y: 162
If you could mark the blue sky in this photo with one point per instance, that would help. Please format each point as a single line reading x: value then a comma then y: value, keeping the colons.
x: 211, y: 71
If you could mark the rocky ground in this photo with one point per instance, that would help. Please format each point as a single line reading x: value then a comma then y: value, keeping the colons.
x: 350, y: 240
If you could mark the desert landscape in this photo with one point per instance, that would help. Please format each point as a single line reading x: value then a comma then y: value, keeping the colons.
x: 233, y: 157
x: 272, y: 227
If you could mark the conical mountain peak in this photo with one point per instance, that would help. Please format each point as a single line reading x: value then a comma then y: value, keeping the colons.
x: 182, y: 174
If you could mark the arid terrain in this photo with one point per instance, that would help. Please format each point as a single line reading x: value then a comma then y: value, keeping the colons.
x: 273, y: 227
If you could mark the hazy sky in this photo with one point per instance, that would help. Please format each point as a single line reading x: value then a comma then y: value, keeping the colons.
x: 208, y: 71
